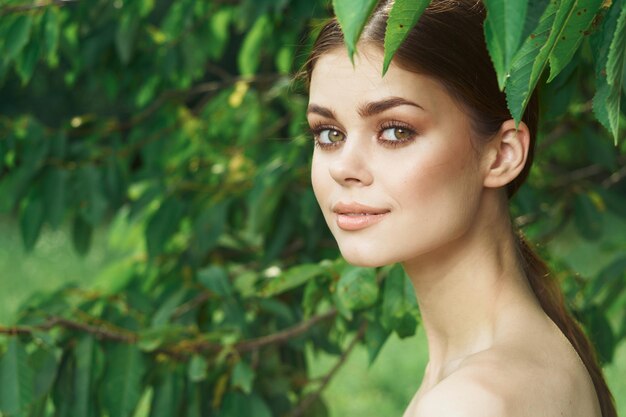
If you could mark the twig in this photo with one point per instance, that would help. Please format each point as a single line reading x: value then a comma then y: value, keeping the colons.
x: 184, y: 347
x: 285, y: 335
x: 312, y: 397
x: 34, y: 7
x: 98, y: 331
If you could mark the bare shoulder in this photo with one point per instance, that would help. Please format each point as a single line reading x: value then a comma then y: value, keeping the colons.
x: 462, y: 395
x: 512, y: 382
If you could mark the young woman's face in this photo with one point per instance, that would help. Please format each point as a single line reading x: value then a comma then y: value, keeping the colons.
x: 394, y: 169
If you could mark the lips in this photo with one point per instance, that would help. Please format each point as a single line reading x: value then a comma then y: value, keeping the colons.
x: 356, y: 216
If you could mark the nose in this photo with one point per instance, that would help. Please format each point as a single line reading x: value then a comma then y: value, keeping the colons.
x: 351, y: 165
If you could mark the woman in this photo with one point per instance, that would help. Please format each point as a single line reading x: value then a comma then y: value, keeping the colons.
x: 416, y: 167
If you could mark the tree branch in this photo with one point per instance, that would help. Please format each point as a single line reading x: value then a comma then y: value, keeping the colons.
x: 34, y: 7
x: 312, y: 397
x: 183, y: 347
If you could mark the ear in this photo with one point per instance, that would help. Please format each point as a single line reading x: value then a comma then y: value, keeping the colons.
x: 506, y: 154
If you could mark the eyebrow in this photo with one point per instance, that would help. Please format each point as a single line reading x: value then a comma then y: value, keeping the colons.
x: 376, y: 107
x: 366, y: 110
x: 322, y: 111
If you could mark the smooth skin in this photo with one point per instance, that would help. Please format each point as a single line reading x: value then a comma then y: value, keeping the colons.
x: 400, y: 143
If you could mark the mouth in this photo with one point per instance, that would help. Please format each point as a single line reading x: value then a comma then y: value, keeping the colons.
x: 355, y: 216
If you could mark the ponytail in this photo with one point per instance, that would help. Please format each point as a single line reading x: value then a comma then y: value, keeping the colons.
x: 551, y: 298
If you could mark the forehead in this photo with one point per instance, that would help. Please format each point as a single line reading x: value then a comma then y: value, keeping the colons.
x: 336, y: 82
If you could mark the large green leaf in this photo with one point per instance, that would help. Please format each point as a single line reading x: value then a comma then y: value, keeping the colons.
x: 403, y: 16
x: 125, y: 36
x: 242, y: 377
x: 83, y: 404
x: 615, y: 73
x: 26, y: 62
x: 51, y: 34
x: 31, y: 221
x: 54, y: 194
x: 215, y: 279
x: 122, y: 384
x: 81, y: 234
x: 237, y: 405
x: 357, y: 288
x: 532, y: 58
x: 249, y: 56
x: 16, y: 379
x: 352, y: 18
x: 503, y: 33
x: 163, y: 224
x: 573, y: 33
x: 605, y: 105
x: 168, y: 394
x: 17, y: 37
x: 398, y: 302
x: 45, y: 364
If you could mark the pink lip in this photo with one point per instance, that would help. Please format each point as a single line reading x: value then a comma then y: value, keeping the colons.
x: 355, y: 216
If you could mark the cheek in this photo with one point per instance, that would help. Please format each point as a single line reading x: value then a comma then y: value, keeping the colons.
x: 319, y: 179
x: 441, y: 182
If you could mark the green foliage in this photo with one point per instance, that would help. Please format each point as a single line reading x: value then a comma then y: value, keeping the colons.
x: 402, y: 17
x: 180, y: 121
x: 552, y: 32
x: 504, y: 33
x: 352, y: 20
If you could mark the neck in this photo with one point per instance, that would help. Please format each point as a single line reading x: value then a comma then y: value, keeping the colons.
x: 467, y: 289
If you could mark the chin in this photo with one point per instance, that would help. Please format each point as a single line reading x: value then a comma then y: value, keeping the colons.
x: 366, y: 258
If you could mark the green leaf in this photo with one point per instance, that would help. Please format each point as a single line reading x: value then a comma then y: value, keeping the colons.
x: 125, y: 37
x: 352, y: 19
x: 45, y: 364
x: 503, y: 33
x: 31, y: 221
x: 606, y: 101
x: 398, y: 299
x: 92, y: 204
x: 600, y: 331
x: 250, y: 53
x: 403, y: 16
x: 163, y: 224
x: 167, y: 307
x: 26, y: 62
x: 82, y: 404
x: 292, y: 278
x: 54, y: 186
x: 236, y: 404
x: 197, y: 370
x: 215, y: 279
x: 122, y: 386
x: 532, y: 58
x: 615, y: 73
x: 16, y: 379
x: 572, y: 35
x: 167, y: 395
x: 357, y: 288
x: 50, y: 39
x: 587, y: 218
x: 17, y: 37
x: 63, y: 389
x: 533, y: 16
x: 242, y: 377
x: 81, y: 235
x: 375, y: 337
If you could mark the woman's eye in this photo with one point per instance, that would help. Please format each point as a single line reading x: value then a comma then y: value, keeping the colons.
x: 330, y: 136
x: 397, y: 134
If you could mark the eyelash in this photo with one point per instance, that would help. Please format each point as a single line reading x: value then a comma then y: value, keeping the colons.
x: 318, y: 128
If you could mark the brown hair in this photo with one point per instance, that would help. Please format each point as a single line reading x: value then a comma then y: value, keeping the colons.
x: 448, y: 44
